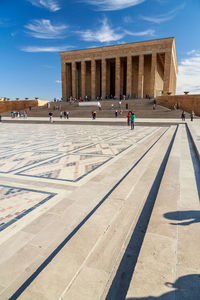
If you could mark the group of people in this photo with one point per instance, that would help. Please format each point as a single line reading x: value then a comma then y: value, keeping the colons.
x: 183, y: 116
x: 131, y: 119
x: 64, y: 114
x: 19, y: 114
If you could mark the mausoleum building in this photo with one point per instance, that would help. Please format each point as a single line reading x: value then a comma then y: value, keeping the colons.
x: 137, y: 70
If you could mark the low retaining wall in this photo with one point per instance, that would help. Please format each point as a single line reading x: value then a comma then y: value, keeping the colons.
x: 185, y: 102
x: 19, y: 105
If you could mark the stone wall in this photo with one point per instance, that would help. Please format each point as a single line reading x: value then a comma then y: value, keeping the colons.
x: 185, y: 102
x: 18, y: 105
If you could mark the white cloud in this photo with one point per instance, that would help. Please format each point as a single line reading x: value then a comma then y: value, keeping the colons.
x: 189, y: 75
x: 35, y: 49
x: 164, y: 17
x: 113, y: 4
x: 104, y: 34
x: 107, y: 34
x: 51, y: 5
x: 149, y: 32
x: 43, y: 29
x: 58, y: 81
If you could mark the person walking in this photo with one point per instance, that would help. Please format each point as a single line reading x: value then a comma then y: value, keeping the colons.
x: 132, y: 121
x: 61, y: 115
x: 67, y: 114
x: 51, y: 117
x: 116, y: 114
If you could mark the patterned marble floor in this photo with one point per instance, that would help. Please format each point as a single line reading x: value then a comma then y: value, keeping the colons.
x: 61, y: 153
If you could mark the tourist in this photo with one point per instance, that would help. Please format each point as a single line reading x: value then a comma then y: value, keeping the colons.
x: 112, y: 106
x: 94, y: 114
x: 67, y: 113
x: 61, y: 115
x: 128, y: 118
x: 51, y: 117
x: 99, y: 105
x: 192, y: 115
x: 119, y: 104
x: 132, y: 121
x: 183, y: 116
x: 25, y: 114
x: 116, y: 113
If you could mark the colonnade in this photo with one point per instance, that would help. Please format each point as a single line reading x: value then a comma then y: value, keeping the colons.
x: 135, y: 76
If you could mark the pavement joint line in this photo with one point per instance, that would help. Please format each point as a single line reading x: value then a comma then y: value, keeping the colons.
x: 64, y: 242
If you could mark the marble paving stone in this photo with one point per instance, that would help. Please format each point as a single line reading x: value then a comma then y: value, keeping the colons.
x: 66, y: 168
x: 12, y: 162
x: 18, y: 202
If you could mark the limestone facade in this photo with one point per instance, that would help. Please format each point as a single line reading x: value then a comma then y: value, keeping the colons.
x: 136, y: 70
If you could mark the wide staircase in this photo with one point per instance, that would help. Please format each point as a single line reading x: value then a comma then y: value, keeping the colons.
x: 142, y: 108
x: 134, y: 235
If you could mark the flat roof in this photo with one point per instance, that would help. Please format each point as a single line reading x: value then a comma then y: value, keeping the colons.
x: 117, y: 45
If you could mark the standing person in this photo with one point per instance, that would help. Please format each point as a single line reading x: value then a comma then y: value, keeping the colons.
x: 183, y: 116
x: 128, y: 118
x: 132, y: 121
x: 67, y: 113
x: 192, y: 115
x: 95, y: 114
x: 61, y: 115
x: 119, y: 104
x: 116, y: 113
x: 51, y: 117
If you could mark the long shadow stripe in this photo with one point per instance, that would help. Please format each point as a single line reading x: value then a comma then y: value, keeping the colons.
x: 22, y: 288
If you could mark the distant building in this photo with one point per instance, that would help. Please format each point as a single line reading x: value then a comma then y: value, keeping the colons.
x: 137, y: 70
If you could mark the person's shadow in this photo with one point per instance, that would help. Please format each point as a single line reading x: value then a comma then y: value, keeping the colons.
x: 185, y: 288
x: 186, y: 217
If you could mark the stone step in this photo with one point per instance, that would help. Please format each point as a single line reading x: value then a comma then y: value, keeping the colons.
x: 82, y: 269
x: 168, y: 266
x: 44, y: 236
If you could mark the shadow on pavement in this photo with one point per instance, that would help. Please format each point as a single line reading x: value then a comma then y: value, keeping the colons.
x: 185, y: 288
x: 187, y: 217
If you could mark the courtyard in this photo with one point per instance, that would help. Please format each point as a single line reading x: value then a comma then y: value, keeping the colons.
x: 73, y: 198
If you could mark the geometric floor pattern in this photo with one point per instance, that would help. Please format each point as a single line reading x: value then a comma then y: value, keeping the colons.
x: 61, y: 153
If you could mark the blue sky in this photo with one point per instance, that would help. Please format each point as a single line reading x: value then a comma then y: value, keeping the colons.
x: 32, y: 32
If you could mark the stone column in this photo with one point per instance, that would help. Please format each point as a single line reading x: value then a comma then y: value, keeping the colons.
x: 93, y: 79
x: 103, y: 78
x: 64, y: 80
x: 167, y: 73
x: 117, y: 77
x: 83, y: 78
x: 141, y: 76
x: 153, y: 74
x: 73, y: 79
x: 129, y: 76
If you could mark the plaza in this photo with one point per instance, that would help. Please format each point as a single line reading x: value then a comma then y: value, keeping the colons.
x: 99, y: 212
